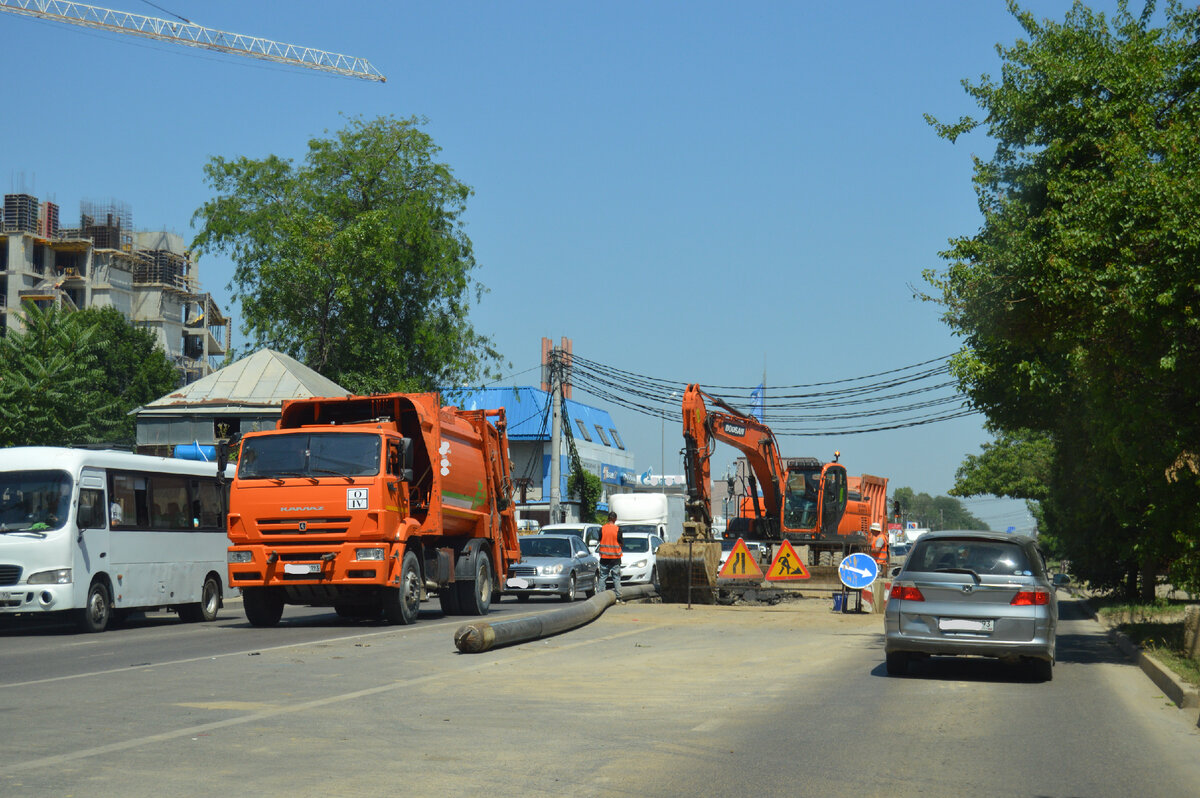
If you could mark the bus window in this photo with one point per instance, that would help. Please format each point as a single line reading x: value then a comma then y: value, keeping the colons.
x: 208, y: 504
x: 171, y: 508
x: 91, y: 509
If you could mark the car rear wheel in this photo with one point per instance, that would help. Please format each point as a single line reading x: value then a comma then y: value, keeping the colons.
x: 897, y: 663
x: 1042, y: 670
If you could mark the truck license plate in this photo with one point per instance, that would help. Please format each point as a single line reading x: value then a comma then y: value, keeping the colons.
x: 301, y: 568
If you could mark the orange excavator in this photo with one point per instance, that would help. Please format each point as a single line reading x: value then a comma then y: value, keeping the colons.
x: 802, y: 500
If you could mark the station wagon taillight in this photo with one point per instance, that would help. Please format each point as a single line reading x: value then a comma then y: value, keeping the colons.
x: 906, y: 591
x: 1031, y: 598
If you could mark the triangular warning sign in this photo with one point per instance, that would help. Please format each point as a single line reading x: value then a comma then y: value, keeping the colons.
x: 740, y: 564
x: 787, y: 565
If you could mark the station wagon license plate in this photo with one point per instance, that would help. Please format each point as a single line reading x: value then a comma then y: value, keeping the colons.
x: 301, y: 568
x: 965, y: 624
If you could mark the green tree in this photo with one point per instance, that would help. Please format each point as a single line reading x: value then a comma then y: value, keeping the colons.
x: 355, y: 262
x: 1079, y: 298
x: 132, y: 370
x: 941, y: 512
x: 48, y: 379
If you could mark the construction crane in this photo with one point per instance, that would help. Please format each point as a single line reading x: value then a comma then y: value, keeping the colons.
x: 192, y: 35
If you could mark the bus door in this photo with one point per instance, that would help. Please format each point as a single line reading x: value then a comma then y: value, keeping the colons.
x: 91, y: 525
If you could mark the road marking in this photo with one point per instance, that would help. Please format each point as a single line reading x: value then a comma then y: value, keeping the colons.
x: 475, y: 661
x: 427, y: 627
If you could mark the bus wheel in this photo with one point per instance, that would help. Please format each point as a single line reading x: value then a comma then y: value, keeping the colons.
x: 206, y: 609
x: 95, y: 615
x: 402, y: 604
x: 263, y: 605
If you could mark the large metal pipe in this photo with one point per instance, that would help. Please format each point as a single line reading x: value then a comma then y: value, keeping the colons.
x: 473, y: 638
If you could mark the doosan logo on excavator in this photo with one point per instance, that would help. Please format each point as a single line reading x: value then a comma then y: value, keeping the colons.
x: 734, y: 429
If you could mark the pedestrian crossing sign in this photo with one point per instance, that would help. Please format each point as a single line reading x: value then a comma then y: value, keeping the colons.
x: 787, y: 565
x: 740, y: 564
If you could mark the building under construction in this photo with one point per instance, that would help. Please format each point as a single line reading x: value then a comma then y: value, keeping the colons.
x: 149, y: 277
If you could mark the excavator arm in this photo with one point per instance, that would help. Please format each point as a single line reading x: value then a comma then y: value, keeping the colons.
x: 701, y: 430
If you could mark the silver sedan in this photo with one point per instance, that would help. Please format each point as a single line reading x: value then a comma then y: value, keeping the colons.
x: 553, y: 565
x: 972, y: 593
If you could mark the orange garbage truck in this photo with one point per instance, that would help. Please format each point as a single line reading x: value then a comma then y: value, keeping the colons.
x: 371, y: 504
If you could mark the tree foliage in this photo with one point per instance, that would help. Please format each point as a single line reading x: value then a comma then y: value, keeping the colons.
x: 929, y: 512
x: 1079, y: 298
x: 132, y: 370
x: 48, y: 379
x: 354, y: 262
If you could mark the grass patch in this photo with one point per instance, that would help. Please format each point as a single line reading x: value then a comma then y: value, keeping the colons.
x: 1157, y: 628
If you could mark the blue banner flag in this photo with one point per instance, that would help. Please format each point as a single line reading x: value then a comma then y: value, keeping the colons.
x: 757, y: 402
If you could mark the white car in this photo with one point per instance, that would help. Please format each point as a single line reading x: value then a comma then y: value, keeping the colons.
x: 757, y: 550
x: 638, y: 561
x: 589, y: 533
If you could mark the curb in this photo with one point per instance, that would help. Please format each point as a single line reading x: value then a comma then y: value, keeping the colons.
x: 1182, y: 694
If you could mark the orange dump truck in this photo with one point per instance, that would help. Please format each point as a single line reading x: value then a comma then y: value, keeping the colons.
x: 370, y: 504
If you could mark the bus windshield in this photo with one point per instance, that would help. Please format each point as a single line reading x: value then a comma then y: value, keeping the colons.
x: 34, y: 501
x: 310, y: 454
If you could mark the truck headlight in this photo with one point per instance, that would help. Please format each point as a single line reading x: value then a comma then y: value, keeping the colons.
x: 546, y: 570
x: 59, y: 576
x: 368, y: 554
x: 241, y: 556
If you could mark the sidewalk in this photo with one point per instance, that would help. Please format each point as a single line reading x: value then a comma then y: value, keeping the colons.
x: 1174, y: 687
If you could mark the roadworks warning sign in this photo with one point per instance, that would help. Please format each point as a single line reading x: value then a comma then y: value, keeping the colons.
x: 786, y: 565
x: 740, y: 565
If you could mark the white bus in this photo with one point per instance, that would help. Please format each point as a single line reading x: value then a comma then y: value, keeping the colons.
x: 100, y: 534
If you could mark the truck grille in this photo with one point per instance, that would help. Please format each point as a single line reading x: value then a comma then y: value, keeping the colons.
x: 312, y: 526
x: 10, y: 574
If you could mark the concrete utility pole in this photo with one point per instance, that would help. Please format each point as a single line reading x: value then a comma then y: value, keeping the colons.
x: 556, y: 437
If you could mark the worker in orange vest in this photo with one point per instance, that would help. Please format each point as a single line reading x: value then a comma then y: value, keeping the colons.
x: 609, y: 551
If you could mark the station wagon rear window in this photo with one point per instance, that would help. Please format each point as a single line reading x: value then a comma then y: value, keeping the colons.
x: 980, y: 556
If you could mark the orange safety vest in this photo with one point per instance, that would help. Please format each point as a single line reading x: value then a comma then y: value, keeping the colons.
x: 610, y: 547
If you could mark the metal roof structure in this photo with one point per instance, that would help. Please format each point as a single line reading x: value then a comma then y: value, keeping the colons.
x: 527, y: 411
x: 264, y: 379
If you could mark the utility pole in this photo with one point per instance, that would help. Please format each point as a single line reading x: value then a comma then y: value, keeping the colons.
x: 556, y: 436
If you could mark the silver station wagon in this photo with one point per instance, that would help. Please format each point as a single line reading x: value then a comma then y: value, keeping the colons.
x: 972, y: 593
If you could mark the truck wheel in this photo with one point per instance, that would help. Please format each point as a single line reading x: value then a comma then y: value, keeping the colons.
x: 206, y: 609
x: 449, y: 598
x: 263, y: 605
x: 95, y: 615
x: 402, y: 604
x: 475, y: 598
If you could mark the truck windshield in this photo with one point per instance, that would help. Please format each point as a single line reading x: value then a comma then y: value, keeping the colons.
x: 34, y: 501
x: 310, y: 454
x: 800, y: 501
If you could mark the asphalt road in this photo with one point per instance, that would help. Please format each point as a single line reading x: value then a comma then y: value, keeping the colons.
x: 647, y: 700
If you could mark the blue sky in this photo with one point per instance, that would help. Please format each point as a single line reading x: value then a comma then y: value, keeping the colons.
x: 696, y: 191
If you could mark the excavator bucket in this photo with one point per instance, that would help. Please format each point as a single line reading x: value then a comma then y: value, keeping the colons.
x: 688, y: 562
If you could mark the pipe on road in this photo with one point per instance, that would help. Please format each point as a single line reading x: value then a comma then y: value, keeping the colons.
x: 474, y: 638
